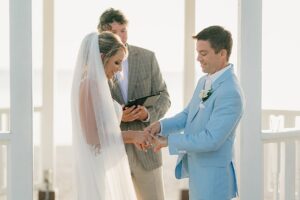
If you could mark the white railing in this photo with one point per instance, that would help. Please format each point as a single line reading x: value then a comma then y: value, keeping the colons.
x: 280, y: 135
x: 4, y: 140
x: 3, y: 170
x: 281, y: 139
x: 4, y: 127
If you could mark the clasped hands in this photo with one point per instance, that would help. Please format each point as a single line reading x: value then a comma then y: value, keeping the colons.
x: 134, y: 113
x: 149, y: 138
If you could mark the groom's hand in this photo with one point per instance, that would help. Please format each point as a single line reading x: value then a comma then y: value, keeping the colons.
x: 159, y: 142
x: 154, y: 128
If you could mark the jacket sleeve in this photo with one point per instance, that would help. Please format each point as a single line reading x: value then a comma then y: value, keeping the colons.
x: 224, y: 119
x: 175, y: 124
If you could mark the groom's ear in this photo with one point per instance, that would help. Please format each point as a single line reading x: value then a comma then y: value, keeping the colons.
x: 223, y: 53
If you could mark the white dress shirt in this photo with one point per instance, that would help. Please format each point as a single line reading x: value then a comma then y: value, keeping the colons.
x: 123, y: 80
x: 215, y: 76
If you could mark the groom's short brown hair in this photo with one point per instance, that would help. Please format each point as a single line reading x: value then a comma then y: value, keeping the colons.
x: 218, y: 37
x: 109, y: 16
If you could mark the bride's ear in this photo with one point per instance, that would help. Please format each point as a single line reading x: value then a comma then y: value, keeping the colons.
x: 102, y: 56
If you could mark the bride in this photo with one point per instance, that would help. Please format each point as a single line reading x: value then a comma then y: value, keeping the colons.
x: 101, y: 164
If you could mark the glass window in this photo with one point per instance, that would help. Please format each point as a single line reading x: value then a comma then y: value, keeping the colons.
x: 4, y: 68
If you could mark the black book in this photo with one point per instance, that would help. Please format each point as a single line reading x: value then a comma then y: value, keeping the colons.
x: 146, y: 101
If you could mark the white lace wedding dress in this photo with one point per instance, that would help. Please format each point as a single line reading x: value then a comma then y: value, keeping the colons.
x: 101, y: 164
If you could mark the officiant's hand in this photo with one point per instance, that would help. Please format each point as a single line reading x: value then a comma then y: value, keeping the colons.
x: 153, y: 129
x: 134, y: 113
x: 142, y: 113
x: 129, y: 114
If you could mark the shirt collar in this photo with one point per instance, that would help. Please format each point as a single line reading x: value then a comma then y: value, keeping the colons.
x: 216, y: 75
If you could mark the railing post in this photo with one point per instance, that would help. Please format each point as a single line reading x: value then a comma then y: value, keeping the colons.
x: 297, y: 170
x: 2, y: 167
x: 290, y: 169
x: 47, y: 136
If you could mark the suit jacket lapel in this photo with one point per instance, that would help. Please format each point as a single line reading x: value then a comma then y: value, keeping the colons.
x: 132, y: 71
x: 215, y: 86
x: 197, y: 99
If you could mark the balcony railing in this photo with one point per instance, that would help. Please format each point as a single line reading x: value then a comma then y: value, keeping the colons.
x: 4, y: 140
x: 281, y: 139
x: 280, y: 136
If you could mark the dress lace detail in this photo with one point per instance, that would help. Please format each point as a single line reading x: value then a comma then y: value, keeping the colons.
x: 95, y: 149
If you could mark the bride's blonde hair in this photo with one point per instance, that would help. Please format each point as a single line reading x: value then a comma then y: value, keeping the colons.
x: 109, y: 45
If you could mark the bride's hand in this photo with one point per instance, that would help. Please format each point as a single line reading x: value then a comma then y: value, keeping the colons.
x: 142, y: 140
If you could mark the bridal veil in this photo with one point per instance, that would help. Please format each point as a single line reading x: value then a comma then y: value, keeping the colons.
x: 101, y: 164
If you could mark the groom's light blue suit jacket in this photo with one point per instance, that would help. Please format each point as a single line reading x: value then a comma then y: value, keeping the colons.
x: 203, y: 137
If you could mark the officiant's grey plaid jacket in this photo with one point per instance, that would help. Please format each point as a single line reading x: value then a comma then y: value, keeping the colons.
x: 144, y: 78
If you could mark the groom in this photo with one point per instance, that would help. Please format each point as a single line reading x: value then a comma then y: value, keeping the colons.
x: 203, y: 134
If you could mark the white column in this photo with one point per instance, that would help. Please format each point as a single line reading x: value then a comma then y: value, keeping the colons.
x: 189, y: 50
x: 249, y: 68
x: 47, y: 136
x: 20, y: 157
